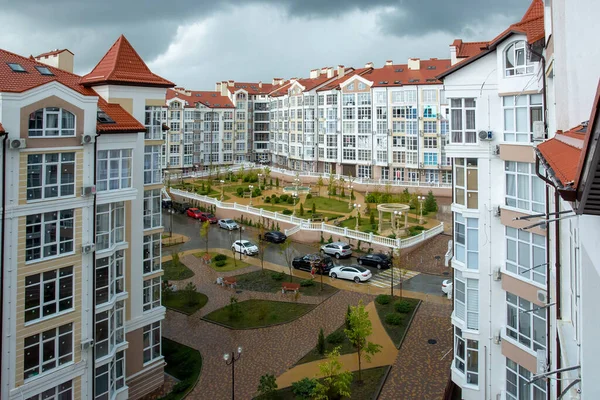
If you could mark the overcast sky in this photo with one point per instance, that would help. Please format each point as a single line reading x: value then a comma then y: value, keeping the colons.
x: 195, y: 43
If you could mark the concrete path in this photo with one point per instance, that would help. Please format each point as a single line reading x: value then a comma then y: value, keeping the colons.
x: 386, y: 356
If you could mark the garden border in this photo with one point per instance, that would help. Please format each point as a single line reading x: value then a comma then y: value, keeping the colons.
x: 409, y: 323
x: 382, y: 383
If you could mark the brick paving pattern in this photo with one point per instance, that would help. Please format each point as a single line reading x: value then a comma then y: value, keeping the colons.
x: 267, y: 350
x: 423, y: 259
x: 422, y: 370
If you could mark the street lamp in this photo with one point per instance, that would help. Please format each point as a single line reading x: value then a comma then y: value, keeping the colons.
x: 251, y: 187
x: 357, y: 207
x: 222, y: 189
x: 264, y: 181
x: 230, y: 359
x: 421, y: 200
x: 397, y: 214
x: 295, y: 197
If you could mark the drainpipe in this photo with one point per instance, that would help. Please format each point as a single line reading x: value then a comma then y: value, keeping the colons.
x: 2, y: 236
x: 94, y: 274
x: 541, y: 56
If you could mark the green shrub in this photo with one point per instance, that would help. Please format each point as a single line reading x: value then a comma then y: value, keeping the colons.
x: 383, y: 299
x: 240, y: 191
x: 308, y: 196
x: 221, y: 263
x: 220, y: 257
x: 277, y: 182
x: 394, y: 318
x: 257, y: 192
x: 277, y: 200
x: 419, y: 228
x: 402, y: 306
x: 392, y: 236
x: 304, y: 388
x: 278, y: 276
x: 307, y: 282
x: 290, y: 200
x: 321, y: 342
x: 336, y: 337
x: 330, y: 240
x: 284, y: 197
x: 181, y: 387
x: 287, y: 212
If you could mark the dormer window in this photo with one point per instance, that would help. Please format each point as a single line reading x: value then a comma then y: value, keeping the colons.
x: 516, y: 59
x: 51, y: 121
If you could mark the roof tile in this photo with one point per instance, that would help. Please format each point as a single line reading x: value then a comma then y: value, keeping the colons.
x: 206, y: 98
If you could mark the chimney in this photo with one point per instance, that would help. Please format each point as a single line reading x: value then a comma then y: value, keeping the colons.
x: 277, y: 81
x: 330, y: 72
x: 323, y: 70
x: 341, y: 71
x: 62, y: 59
x: 260, y: 84
x: 218, y: 87
x: 389, y: 63
x: 230, y: 83
x: 314, y: 73
x: 454, y: 48
x: 224, y: 88
x: 369, y: 65
x: 414, y: 63
x: 179, y: 89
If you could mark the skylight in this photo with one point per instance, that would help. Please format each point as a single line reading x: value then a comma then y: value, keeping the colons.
x: 103, y: 117
x: 400, y: 70
x: 431, y: 67
x: 16, y: 67
x: 44, y: 70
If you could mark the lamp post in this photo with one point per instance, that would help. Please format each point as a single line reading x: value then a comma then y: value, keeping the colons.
x: 230, y: 359
x: 241, y: 228
x: 295, y: 197
x: 421, y: 200
x: 397, y: 214
x: 357, y: 207
x: 222, y: 189
x: 264, y: 181
x: 251, y: 187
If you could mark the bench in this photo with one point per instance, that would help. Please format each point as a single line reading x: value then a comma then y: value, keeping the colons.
x: 294, y: 287
x: 229, y: 281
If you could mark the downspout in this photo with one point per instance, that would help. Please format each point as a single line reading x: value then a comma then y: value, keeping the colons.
x: 2, y: 236
x: 541, y: 56
x: 94, y: 273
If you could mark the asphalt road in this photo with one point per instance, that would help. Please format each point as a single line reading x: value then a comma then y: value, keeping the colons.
x: 182, y: 224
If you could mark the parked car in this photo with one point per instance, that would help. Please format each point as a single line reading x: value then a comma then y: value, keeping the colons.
x: 166, y: 203
x: 447, y: 286
x: 245, y: 247
x: 306, y: 263
x: 354, y: 273
x: 180, y: 207
x: 378, y: 260
x: 228, y: 224
x: 275, y: 237
x: 194, y: 213
x: 337, y: 249
x: 208, y: 217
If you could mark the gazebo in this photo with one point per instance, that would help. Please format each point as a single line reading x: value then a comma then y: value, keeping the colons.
x: 396, y: 210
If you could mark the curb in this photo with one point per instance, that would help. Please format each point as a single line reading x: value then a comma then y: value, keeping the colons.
x: 382, y: 383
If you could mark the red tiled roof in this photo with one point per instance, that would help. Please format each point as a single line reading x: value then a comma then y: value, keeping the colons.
x: 280, y: 90
x: 468, y: 49
x: 2, y: 129
x: 590, y: 145
x: 401, y: 75
x: 562, y: 154
x: 206, y: 98
x: 251, y: 87
x: 124, y: 122
x: 123, y: 65
x: 336, y: 83
x: 52, y: 53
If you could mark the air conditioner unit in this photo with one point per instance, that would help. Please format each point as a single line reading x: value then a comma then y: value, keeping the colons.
x: 542, y: 296
x: 497, y: 275
x: 496, y: 150
x: 486, y: 135
x: 497, y: 338
x: 88, y: 248
x: 538, y: 130
x: 88, y: 191
x: 17, y: 144
x: 497, y: 211
x: 88, y: 138
x: 541, y: 361
x: 86, y: 344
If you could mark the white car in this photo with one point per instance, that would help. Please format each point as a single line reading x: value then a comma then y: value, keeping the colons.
x: 354, y: 273
x: 447, y: 286
x: 228, y: 224
x: 245, y: 247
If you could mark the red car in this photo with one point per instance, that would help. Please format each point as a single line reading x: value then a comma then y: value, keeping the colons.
x: 194, y: 213
x: 204, y: 216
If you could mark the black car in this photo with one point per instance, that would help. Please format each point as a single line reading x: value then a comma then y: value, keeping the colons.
x: 306, y: 263
x: 275, y: 237
x: 378, y: 260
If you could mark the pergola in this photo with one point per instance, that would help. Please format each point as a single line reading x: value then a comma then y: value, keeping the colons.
x: 393, y: 209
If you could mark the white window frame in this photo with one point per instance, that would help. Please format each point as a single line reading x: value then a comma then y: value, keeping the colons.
x: 42, y: 165
x: 52, y: 337
x: 520, y: 112
x: 151, y: 293
x: 53, y: 289
x: 113, y: 215
x: 466, y: 300
x: 114, y: 373
x: 152, y: 209
x: 470, y: 362
x: 114, y: 169
x: 520, y: 319
x: 517, y: 386
x: 151, y: 343
x: 466, y: 241
x: 54, y: 131
x: 60, y: 392
x: 463, y: 120
x: 153, y: 123
x: 114, y: 320
x: 521, y: 186
x: 113, y: 266
x: 465, y: 195
x: 152, y: 169
x: 47, y: 233
x: 529, y: 258
x: 525, y: 67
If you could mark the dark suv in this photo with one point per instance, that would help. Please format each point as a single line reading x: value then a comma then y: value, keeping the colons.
x: 306, y: 262
x: 378, y: 260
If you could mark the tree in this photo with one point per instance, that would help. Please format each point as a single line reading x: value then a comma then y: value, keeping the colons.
x: 241, y: 173
x: 267, y: 386
x: 267, y: 174
x: 233, y: 256
x: 430, y: 203
x: 262, y: 245
x: 301, y: 210
x: 314, y: 208
x: 321, y: 342
x: 398, y: 266
x: 204, y: 232
x: 335, y: 383
x: 331, y: 186
x: 405, y: 196
x: 372, y: 218
x: 287, y: 251
x: 347, y: 321
x: 277, y: 182
x: 189, y: 293
x: 360, y: 329
x: 320, y: 184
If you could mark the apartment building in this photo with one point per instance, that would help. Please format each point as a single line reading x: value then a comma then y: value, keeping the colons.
x: 81, y: 227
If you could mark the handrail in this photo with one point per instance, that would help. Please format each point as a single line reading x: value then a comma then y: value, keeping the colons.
x: 306, y: 224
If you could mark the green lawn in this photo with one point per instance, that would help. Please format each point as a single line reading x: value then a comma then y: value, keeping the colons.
x: 325, y: 204
x: 346, y: 347
x: 230, y: 265
x: 183, y: 363
x: 372, y: 378
x: 176, y: 272
x: 257, y: 313
x: 365, y: 224
x: 268, y: 282
x: 178, y: 301
x: 396, y: 332
x: 273, y: 208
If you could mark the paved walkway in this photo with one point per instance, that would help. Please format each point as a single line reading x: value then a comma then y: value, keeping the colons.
x: 421, y: 370
x: 423, y: 259
x: 386, y: 356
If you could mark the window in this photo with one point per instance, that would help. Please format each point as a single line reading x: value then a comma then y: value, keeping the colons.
x: 50, y: 122
x: 151, y: 293
x: 110, y: 225
x: 517, y: 60
x: 47, y: 350
x: 429, y: 95
x: 364, y: 99
x: 110, y: 329
x: 397, y: 96
x: 526, y: 254
x: 50, y: 175
x: 349, y: 154
x: 349, y: 113
x: 110, y: 377
x: 517, y: 383
x: 364, y: 155
x: 110, y: 279
x: 152, y: 170
x: 174, y: 148
x: 462, y: 116
x: 525, y: 322
x: 430, y: 127
x: 153, y: 123
x: 152, y: 209
x: 176, y: 115
x: 412, y: 127
x: 175, y: 126
x: 48, y: 293
x: 430, y: 143
x: 524, y: 189
x: 470, y: 348
x: 467, y: 298
x: 48, y: 235
x: 332, y: 100
x: 520, y: 112
x: 432, y: 176
x: 410, y: 96
x: 466, y: 186
x: 430, y: 158
x: 64, y: 391
x: 114, y: 169
x: 380, y: 98
x: 466, y: 241
x: 382, y: 127
x: 429, y: 112
x: 364, y: 171
x: 361, y: 86
x: 321, y: 100
x: 348, y: 100
x: 151, y: 342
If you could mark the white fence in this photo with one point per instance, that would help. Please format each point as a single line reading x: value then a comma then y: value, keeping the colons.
x: 307, y: 174
x: 304, y: 224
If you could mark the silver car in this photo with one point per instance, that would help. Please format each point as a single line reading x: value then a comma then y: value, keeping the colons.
x: 337, y: 249
x: 228, y: 224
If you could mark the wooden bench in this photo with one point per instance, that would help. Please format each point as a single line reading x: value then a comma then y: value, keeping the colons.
x: 229, y: 281
x: 294, y: 287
